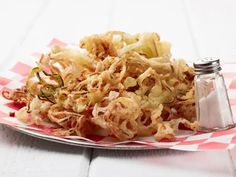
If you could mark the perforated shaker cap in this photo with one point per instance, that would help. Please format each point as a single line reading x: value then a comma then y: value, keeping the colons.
x: 206, y: 66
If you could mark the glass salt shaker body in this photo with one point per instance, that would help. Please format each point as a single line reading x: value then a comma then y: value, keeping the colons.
x: 212, y: 103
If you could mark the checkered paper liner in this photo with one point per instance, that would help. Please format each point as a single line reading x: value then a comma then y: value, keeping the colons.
x: 185, y: 140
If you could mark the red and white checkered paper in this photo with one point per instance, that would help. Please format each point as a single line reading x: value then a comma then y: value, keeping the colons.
x: 188, y: 141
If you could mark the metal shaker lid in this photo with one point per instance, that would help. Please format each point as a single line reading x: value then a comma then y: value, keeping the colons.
x: 206, y: 66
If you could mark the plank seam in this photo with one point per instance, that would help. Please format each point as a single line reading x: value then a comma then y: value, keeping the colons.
x: 111, y: 15
x: 232, y: 163
x: 14, y: 50
x: 90, y: 160
x: 190, y: 28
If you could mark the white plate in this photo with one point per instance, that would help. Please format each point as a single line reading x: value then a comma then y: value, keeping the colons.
x: 81, y: 143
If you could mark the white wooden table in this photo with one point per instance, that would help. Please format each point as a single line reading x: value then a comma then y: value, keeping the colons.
x: 196, y: 29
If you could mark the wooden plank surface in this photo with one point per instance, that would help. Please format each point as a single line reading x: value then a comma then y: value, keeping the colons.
x: 68, y: 21
x: 172, y: 19
x: 22, y: 155
x: 164, y: 17
x: 160, y: 163
x: 17, y: 19
x: 213, y: 26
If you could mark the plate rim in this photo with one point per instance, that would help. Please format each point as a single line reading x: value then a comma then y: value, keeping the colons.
x: 79, y: 143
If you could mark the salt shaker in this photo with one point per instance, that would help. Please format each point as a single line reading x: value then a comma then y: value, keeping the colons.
x: 212, y: 103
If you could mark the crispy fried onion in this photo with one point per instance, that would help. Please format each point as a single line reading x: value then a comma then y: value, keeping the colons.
x: 167, y: 129
x: 71, y: 122
x: 18, y: 95
x: 119, y: 117
x: 125, y: 85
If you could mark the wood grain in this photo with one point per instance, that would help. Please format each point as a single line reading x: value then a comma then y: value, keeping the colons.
x: 17, y: 19
x: 174, y: 20
x: 213, y: 26
x: 159, y: 163
x: 165, y: 17
x: 24, y: 156
x: 213, y: 30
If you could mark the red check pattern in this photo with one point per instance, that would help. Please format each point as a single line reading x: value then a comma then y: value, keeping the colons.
x: 222, y: 140
x: 21, y: 69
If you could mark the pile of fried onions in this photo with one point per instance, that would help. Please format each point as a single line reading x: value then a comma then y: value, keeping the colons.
x: 112, y: 84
